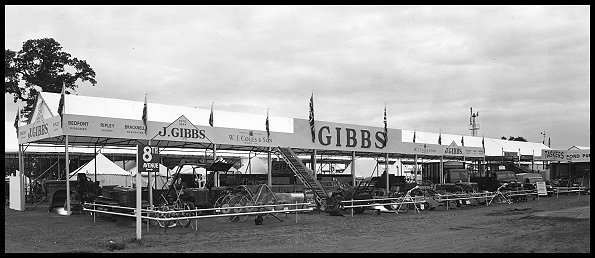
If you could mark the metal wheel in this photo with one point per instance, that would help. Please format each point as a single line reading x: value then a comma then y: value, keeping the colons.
x: 165, y: 223
x: 237, y: 201
x: 185, y: 206
x: 222, y: 202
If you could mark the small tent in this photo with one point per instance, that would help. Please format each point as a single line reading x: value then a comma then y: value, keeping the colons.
x: 369, y: 167
x: 253, y: 166
x: 158, y: 180
x: 108, y: 173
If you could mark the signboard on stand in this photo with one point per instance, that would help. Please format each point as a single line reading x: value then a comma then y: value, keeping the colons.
x: 541, y: 189
x: 148, y: 158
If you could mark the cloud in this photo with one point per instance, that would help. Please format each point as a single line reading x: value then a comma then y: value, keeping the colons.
x: 428, y: 63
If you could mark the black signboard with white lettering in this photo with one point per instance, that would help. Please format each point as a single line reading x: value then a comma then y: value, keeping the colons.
x: 148, y: 158
x: 280, y: 168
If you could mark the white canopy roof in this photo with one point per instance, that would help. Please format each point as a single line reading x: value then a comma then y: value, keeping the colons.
x: 493, y: 147
x: 254, y: 166
x: 104, y: 167
x: 368, y: 167
x: 128, y: 109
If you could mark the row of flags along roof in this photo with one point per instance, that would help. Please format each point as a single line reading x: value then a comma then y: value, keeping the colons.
x: 310, y: 118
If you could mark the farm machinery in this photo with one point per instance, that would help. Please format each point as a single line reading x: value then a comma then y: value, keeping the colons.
x: 190, y: 192
x: 82, y: 190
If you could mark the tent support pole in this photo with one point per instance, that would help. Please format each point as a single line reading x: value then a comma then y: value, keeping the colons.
x: 138, y: 199
x: 269, y: 176
x: 386, y: 170
x: 353, y: 168
x: 314, y: 163
x: 149, y: 185
x: 67, y: 177
x: 441, y: 169
x: 95, y: 158
x: 216, y: 175
x: 416, y: 169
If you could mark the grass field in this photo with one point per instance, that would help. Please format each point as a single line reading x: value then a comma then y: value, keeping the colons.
x: 547, y: 225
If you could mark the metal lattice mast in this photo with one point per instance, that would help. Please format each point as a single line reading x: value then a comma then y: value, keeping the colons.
x: 473, y: 126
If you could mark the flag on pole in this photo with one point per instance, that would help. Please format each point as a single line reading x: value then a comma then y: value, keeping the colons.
x: 462, y: 140
x: 211, y: 116
x: 17, y: 119
x: 145, y: 114
x: 385, y: 126
x: 413, y: 136
x: 440, y: 138
x: 311, y: 118
x: 267, y: 125
x: 483, y: 142
x: 549, y: 142
x: 61, y: 105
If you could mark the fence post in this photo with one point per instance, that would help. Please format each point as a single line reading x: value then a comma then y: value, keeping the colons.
x: 296, y: 213
x: 94, y: 212
x: 196, y: 221
x: 351, y: 207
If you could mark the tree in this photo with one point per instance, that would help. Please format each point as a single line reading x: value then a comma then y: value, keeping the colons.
x: 512, y: 138
x: 42, y: 63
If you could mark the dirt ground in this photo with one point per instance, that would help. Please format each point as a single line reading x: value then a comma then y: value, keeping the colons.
x: 547, y: 225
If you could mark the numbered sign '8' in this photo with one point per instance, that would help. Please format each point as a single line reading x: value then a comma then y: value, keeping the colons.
x: 148, y: 158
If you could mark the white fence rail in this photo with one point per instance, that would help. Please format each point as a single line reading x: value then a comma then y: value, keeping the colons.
x: 174, y: 215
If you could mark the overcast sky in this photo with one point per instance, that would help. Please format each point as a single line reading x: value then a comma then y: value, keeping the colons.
x: 524, y: 68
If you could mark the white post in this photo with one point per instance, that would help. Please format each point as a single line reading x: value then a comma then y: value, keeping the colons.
x: 149, y: 182
x: 532, y: 159
x: 353, y: 168
x: 67, y: 164
x: 138, y: 198
x: 441, y: 169
x: 314, y: 163
x: 387, y: 177
x: 216, y: 173
x: 415, y: 169
x: 269, y: 175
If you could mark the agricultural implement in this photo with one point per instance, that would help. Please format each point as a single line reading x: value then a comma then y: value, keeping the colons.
x: 82, y: 190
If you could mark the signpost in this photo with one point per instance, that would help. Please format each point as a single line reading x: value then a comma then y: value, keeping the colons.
x: 147, y: 158
x: 541, y: 189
